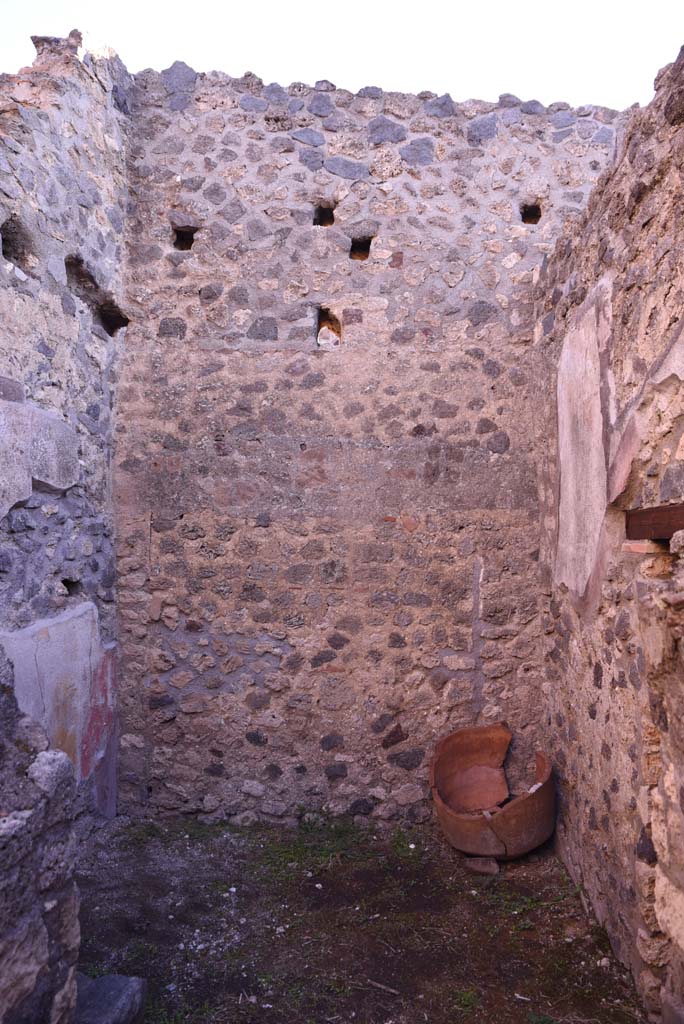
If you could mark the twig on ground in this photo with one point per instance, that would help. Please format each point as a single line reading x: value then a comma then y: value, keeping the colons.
x: 384, y: 988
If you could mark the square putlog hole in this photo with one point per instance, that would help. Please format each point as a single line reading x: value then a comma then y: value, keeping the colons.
x: 530, y: 213
x: 360, y: 248
x: 328, y: 329
x: 183, y: 238
x: 16, y: 243
x: 324, y: 215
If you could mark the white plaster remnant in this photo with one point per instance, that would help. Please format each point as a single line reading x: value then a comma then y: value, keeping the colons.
x: 583, y: 477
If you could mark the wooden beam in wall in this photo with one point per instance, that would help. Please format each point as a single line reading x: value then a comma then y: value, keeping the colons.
x: 658, y: 523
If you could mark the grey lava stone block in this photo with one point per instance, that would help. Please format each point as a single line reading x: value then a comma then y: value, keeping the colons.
x: 111, y: 999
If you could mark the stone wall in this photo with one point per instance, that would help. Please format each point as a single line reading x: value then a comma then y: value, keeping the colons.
x: 62, y: 206
x: 325, y: 479
x: 337, y: 438
x: 610, y: 331
x: 39, y: 933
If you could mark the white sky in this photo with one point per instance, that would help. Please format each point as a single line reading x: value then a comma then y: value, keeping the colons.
x: 582, y: 51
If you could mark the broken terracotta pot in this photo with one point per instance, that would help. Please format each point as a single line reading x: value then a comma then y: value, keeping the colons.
x: 474, y: 806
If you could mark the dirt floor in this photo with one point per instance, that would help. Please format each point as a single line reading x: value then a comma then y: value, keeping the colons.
x: 330, y: 923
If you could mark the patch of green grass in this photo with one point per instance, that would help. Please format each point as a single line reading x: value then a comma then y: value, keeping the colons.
x: 404, y: 846
x: 92, y: 970
x: 297, y: 994
x: 314, y: 846
x: 541, y: 1018
x: 156, y: 1013
x: 556, y: 974
x: 198, y: 831
x: 338, y: 986
x: 222, y: 888
x: 138, y: 954
x: 510, y: 901
x: 464, y: 999
x: 140, y: 833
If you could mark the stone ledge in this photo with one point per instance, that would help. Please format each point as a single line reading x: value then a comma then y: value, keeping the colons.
x: 35, y: 446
